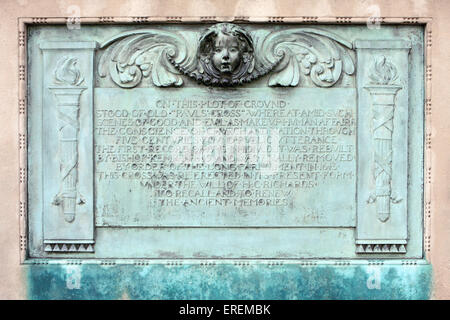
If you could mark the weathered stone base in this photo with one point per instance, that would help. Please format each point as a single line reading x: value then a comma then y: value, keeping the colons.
x: 212, y: 280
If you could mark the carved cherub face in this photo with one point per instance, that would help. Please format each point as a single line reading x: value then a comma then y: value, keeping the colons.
x: 226, y: 54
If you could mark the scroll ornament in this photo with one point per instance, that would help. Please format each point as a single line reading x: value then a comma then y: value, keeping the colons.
x: 383, y: 91
x: 226, y: 54
x: 67, y: 91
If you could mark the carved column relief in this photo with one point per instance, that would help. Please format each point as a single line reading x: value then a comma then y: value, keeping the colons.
x: 68, y: 146
x: 382, y: 146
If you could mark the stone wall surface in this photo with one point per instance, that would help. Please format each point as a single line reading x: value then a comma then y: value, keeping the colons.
x: 290, y: 281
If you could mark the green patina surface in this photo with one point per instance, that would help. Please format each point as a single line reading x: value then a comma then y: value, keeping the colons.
x: 228, y: 281
x: 138, y: 203
x: 311, y: 224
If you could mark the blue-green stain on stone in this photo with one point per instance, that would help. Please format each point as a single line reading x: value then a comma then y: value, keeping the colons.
x: 228, y: 281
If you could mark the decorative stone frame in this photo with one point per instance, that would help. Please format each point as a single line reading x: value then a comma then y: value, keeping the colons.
x: 24, y: 22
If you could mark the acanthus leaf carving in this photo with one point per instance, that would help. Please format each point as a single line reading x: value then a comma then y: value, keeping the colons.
x: 317, y: 54
x: 133, y: 55
x: 226, y: 54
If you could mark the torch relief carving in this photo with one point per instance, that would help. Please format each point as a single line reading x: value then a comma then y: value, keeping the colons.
x: 382, y: 91
x: 67, y: 92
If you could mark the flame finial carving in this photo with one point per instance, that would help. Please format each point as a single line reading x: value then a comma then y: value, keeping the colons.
x: 67, y: 72
x: 383, y: 72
